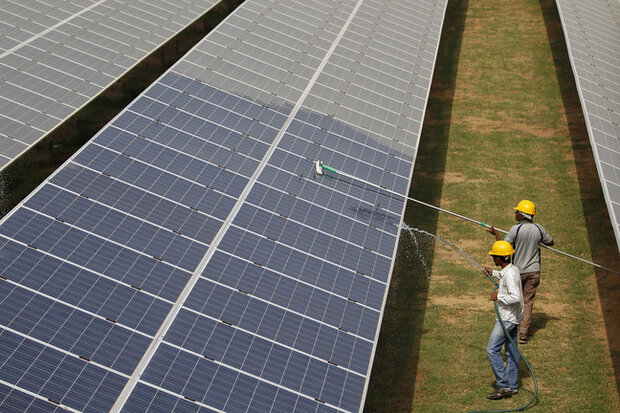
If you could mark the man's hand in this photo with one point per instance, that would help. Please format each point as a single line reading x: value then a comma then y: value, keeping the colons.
x: 495, y: 232
x: 487, y: 270
x: 494, y: 295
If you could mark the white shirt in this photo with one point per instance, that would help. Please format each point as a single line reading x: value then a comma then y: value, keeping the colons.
x: 509, y: 294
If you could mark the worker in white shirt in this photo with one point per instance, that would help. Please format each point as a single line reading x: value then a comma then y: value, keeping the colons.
x: 509, y: 297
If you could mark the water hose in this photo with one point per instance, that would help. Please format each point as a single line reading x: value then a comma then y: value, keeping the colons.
x: 319, y: 167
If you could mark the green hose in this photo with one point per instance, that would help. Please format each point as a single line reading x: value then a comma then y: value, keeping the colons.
x: 501, y: 322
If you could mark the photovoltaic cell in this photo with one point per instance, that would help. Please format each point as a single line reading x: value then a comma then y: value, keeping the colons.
x: 57, y: 55
x: 188, y: 258
x: 592, y: 33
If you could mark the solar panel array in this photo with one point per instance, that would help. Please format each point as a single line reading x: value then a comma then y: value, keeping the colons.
x: 189, y: 259
x: 592, y: 33
x: 57, y: 55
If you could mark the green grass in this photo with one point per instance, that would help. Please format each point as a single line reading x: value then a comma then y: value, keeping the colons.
x: 503, y: 124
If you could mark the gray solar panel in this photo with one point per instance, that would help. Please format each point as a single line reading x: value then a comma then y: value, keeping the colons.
x: 592, y: 33
x: 57, y: 55
x: 189, y: 259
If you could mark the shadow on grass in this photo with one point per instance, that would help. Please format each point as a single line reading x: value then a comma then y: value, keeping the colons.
x: 602, y: 242
x: 539, y: 321
x: 393, y: 379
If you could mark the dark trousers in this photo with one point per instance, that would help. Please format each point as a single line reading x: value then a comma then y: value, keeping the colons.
x: 529, y: 282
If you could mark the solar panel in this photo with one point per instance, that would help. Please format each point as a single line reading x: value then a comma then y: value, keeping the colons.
x: 57, y: 55
x: 592, y: 33
x: 189, y: 259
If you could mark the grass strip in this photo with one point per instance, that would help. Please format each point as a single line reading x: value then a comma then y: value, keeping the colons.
x: 503, y: 124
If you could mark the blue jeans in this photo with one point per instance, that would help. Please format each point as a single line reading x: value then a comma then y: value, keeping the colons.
x: 506, y: 377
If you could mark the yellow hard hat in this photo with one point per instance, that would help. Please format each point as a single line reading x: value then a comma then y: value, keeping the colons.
x: 501, y: 248
x: 526, y: 206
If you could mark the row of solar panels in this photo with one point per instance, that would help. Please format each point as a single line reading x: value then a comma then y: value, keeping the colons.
x: 592, y: 33
x: 189, y: 259
x: 57, y: 55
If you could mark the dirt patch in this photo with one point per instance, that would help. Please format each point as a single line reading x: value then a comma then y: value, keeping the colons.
x: 473, y: 244
x: 551, y: 308
x: 446, y: 254
x: 461, y: 302
x: 458, y: 177
x: 484, y: 124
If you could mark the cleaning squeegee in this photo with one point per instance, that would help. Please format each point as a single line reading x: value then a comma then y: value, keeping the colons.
x: 319, y: 166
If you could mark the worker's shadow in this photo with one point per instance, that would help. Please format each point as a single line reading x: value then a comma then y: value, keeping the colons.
x: 539, y: 322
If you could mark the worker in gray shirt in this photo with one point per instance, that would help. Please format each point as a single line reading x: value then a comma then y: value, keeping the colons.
x: 526, y: 237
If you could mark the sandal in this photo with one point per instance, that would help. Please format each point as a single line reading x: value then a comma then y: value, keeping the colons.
x: 522, y: 339
x: 500, y: 394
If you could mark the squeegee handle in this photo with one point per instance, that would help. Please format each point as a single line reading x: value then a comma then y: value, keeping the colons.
x: 454, y: 213
x: 330, y: 169
x: 541, y: 244
x: 506, y: 232
x: 462, y: 217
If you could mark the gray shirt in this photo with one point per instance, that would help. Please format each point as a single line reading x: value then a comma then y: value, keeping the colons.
x: 524, y: 238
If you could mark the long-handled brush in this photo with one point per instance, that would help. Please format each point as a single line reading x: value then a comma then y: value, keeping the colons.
x: 320, y: 167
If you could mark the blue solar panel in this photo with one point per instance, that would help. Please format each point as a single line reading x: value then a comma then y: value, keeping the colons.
x: 189, y: 259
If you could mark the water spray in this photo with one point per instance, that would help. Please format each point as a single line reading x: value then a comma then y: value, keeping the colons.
x: 320, y: 166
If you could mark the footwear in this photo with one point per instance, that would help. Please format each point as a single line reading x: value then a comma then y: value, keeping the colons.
x: 500, y: 394
x: 523, y: 338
